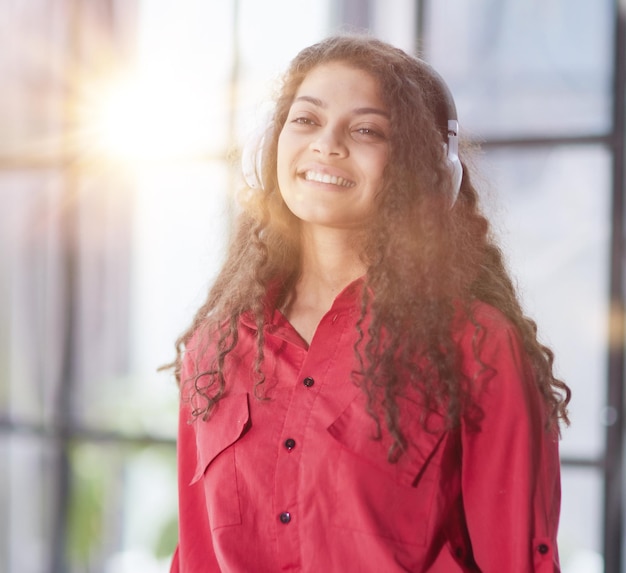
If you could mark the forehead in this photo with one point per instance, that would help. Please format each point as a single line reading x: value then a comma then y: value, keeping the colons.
x: 340, y: 80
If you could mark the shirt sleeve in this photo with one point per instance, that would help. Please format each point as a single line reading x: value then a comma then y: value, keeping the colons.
x: 510, y: 468
x: 195, y: 548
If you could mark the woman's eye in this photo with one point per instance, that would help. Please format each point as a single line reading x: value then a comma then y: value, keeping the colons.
x: 369, y: 133
x: 303, y: 120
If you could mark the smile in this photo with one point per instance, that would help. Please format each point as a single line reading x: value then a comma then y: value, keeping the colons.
x: 326, y: 178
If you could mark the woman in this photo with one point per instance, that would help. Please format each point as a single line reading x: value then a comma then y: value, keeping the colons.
x: 361, y: 390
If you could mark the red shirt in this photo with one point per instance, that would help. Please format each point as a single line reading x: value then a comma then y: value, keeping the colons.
x: 296, y: 482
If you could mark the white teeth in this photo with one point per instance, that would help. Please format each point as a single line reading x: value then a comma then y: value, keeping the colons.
x: 326, y: 178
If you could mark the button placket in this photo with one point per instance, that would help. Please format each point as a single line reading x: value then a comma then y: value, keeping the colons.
x: 302, y: 415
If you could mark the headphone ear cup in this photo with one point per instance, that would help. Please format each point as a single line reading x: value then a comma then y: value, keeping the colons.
x: 454, y: 163
x: 251, y: 155
x: 254, y: 147
x: 456, y: 170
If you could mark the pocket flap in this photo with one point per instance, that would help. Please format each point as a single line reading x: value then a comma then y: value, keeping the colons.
x: 226, y: 424
x: 355, y: 429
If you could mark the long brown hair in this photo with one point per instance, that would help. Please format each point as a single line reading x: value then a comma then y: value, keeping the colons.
x: 425, y: 260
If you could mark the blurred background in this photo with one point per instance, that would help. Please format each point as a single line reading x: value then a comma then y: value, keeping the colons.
x: 119, y: 124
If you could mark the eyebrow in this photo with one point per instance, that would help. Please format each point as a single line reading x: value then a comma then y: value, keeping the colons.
x: 358, y: 111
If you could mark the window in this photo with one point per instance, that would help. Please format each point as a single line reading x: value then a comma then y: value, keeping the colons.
x: 120, y: 123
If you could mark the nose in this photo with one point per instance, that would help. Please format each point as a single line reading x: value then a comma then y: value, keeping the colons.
x: 328, y: 141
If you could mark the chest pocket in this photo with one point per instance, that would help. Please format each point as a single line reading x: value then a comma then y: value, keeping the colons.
x: 216, y: 467
x: 374, y: 496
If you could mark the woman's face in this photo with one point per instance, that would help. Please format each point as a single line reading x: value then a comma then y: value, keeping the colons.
x: 333, y: 148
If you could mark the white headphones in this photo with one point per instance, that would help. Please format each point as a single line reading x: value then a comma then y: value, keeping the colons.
x: 454, y: 163
x: 450, y: 129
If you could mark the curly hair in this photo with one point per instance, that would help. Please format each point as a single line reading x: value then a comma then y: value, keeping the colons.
x: 424, y: 259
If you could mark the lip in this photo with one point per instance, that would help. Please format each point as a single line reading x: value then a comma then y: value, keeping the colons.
x: 315, y: 171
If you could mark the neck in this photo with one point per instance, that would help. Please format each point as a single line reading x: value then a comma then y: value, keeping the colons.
x: 330, y: 262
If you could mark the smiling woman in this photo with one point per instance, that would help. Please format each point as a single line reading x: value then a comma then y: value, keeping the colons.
x: 361, y: 390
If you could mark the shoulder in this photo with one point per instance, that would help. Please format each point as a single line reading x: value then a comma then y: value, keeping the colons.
x: 491, y: 350
x: 481, y: 314
x: 483, y: 324
x: 198, y: 355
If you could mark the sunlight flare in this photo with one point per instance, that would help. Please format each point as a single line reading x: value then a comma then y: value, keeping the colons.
x: 140, y: 118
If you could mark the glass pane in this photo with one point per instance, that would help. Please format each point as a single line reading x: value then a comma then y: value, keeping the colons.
x: 553, y: 213
x: 180, y: 79
x: 31, y: 296
x: 122, y: 506
x: 27, y: 500
x: 100, y: 345
x: 395, y: 22
x: 525, y: 68
x: 123, y: 511
x: 34, y: 41
x: 181, y: 218
x: 580, y: 530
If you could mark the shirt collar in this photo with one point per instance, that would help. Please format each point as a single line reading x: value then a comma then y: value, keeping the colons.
x: 348, y: 299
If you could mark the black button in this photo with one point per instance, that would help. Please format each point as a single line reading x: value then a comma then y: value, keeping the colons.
x: 308, y: 381
x: 543, y: 548
x: 290, y: 444
x: 285, y: 517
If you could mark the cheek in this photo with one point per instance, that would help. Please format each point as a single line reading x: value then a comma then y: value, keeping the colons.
x: 378, y: 166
